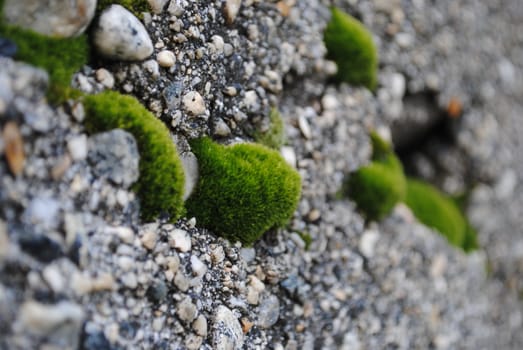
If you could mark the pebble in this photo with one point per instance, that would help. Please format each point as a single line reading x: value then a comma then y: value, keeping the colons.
x: 227, y: 332
x: 13, y: 148
x: 181, y: 281
x: 54, y: 18
x: 198, y: 267
x: 104, y: 77
x: 77, y: 147
x: 104, y: 281
x: 40, y: 247
x: 193, y: 342
x: 54, y: 278
x: 231, y: 9
x: 166, y: 58
x: 269, y: 312
x: 180, y: 240
x: 43, y: 212
x: 114, y: 155
x: 157, y: 6
x: 173, y: 262
x: 221, y: 128
x: 200, y: 326
x: 289, y: 155
x: 304, y: 126
x: 193, y: 103
x: 149, y: 238
x: 129, y: 280
x: 62, y: 321
x: 190, y: 169
x: 126, y: 263
x: 186, y: 310
x: 119, y: 35
x: 125, y: 234
x: 368, y: 242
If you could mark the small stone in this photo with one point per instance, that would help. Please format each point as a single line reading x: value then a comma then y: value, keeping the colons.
x: 149, y: 239
x: 221, y: 128
x: 77, y: 147
x: 157, y: 293
x: 231, y: 9
x: 120, y: 35
x: 57, y: 322
x: 173, y: 262
x: 217, y: 255
x: 125, y: 234
x: 61, y: 167
x: 253, y: 296
x: 103, y: 282
x: 397, y: 85
x: 166, y: 58
x: 104, y: 77
x: 269, y: 312
x: 200, y: 326
x: 198, y: 267
x: 54, y: 278
x: 157, y: 6
x: 186, y: 310
x: 130, y: 281
x: 314, y: 215
x: 40, y: 247
x: 125, y: 263
x: 54, y: 18
x: 227, y: 333
x: 193, y: 103
x: 191, y: 171
x: 304, y: 126
x: 287, y: 152
x: 246, y: 325
x: 180, y: 240
x: 251, y: 101
x: 368, y: 242
x: 181, y: 282
x: 43, y: 211
x: 13, y: 148
x: 230, y: 91
x: 114, y: 154
x: 193, y: 342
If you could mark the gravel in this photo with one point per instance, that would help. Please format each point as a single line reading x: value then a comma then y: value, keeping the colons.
x: 78, y: 269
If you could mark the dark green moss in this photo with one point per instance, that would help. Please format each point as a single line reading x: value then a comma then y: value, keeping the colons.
x: 137, y: 7
x: 243, y: 190
x: 438, y: 211
x: 306, y: 238
x: 161, y: 183
x: 274, y: 137
x: 351, y: 46
x: 61, y: 58
x: 377, y: 187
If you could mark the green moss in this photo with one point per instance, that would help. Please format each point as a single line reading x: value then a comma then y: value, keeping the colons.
x: 377, y: 187
x: 61, y: 58
x: 161, y: 183
x: 137, y: 7
x: 274, y: 137
x: 306, y: 238
x: 351, y: 46
x: 438, y: 211
x: 243, y: 190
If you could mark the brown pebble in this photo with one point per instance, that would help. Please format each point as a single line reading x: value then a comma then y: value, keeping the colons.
x: 283, y: 8
x: 454, y: 108
x: 14, y: 148
x: 231, y: 9
x: 61, y: 167
x: 246, y: 325
x: 300, y: 327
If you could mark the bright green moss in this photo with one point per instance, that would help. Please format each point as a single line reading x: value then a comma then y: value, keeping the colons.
x: 351, y: 46
x: 161, y: 183
x: 61, y: 58
x: 243, y: 190
x: 137, y: 7
x: 274, y: 137
x: 438, y: 211
x: 377, y: 187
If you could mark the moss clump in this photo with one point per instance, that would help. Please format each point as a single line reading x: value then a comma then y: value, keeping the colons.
x: 438, y: 211
x: 137, y: 7
x: 161, y: 184
x: 274, y: 137
x: 243, y: 190
x: 377, y: 187
x: 60, y: 57
x: 351, y: 46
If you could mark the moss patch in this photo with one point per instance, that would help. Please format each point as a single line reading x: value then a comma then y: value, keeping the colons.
x: 161, y: 183
x: 243, y: 190
x: 274, y: 137
x: 377, y: 187
x: 137, y: 7
x: 61, y: 58
x: 438, y: 211
x: 351, y: 46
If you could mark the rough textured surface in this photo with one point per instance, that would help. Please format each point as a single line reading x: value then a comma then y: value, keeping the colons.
x: 72, y: 241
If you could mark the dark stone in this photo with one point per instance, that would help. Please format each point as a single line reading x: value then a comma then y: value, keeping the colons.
x: 157, y: 292
x: 128, y: 329
x: 8, y: 48
x: 40, y: 247
x: 95, y: 341
x: 74, y: 251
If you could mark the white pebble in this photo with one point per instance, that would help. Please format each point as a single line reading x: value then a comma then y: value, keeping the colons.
x: 368, y: 242
x: 180, y: 240
x: 77, y: 147
x: 198, y: 267
x: 193, y: 103
x: 104, y: 77
x: 166, y: 58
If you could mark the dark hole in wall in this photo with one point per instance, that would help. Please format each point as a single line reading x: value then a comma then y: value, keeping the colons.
x: 425, y: 140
